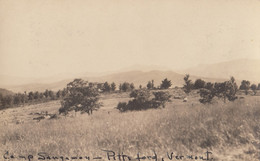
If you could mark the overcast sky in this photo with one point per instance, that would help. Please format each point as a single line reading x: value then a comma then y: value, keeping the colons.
x: 48, y: 37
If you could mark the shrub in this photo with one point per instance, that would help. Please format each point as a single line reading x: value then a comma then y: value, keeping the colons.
x: 199, y: 83
x: 160, y: 98
x: 206, y: 95
x: 225, y: 90
x: 142, y: 100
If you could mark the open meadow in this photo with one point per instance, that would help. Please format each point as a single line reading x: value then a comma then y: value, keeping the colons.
x: 230, y: 131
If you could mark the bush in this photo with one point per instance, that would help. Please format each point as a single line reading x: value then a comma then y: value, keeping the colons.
x: 160, y: 98
x: 199, y: 83
x: 142, y: 100
x: 245, y: 85
x: 206, y: 96
x: 125, y: 87
x: 225, y: 90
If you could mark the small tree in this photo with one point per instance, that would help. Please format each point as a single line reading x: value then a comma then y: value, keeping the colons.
x: 188, y: 86
x: 80, y: 97
x: 254, y: 88
x: 17, y: 99
x: 120, y: 87
x: 31, y: 96
x: 59, y: 94
x: 149, y: 85
x: 113, y: 86
x: 46, y: 93
x: 245, y: 85
x: 258, y: 87
x: 166, y: 84
x: 106, y: 87
x: 126, y: 87
x: 132, y: 86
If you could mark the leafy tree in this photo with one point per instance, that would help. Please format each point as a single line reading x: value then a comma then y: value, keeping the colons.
x: 1, y: 99
x: 166, y: 84
x: 17, y: 99
x: 7, y: 101
x: 59, y: 94
x: 36, y: 95
x: 150, y: 84
x: 199, y: 83
x: 31, y: 96
x: 51, y: 95
x: 113, y: 86
x: 106, y: 87
x: 120, y: 87
x: 188, y: 86
x: 226, y: 90
x: 245, y: 85
x: 127, y: 86
x: 258, y: 87
x: 64, y: 92
x: 254, y: 88
x: 132, y: 86
x: 81, y: 97
x: 46, y: 93
x: 24, y: 98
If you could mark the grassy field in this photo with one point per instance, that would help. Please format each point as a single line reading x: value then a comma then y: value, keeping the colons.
x: 230, y: 131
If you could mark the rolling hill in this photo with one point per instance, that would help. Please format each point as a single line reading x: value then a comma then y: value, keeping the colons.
x: 136, y: 77
x: 241, y: 69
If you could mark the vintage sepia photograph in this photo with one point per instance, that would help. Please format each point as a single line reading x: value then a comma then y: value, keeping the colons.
x: 129, y: 80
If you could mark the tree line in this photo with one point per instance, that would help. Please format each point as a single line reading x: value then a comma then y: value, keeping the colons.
x: 19, y: 99
x: 80, y: 95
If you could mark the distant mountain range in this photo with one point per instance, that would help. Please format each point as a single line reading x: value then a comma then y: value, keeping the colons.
x: 248, y: 69
x: 136, y: 77
x: 240, y: 69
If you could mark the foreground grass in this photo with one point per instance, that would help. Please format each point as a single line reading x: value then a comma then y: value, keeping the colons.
x: 230, y: 131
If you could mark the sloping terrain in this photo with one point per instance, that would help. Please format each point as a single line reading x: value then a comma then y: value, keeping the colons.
x: 241, y: 69
x: 136, y: 77
x: 230, y: 131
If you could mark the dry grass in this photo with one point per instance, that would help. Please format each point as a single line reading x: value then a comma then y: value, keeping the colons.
x: 231, y: 131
